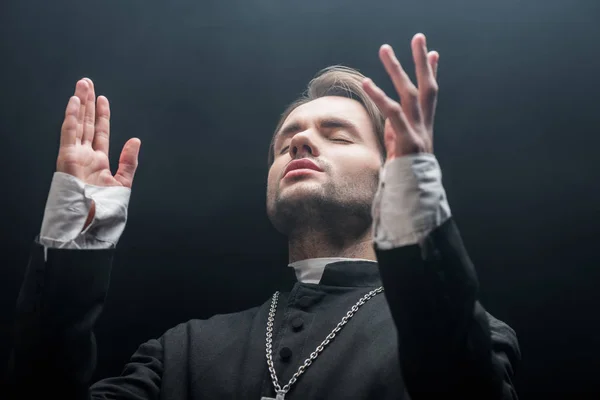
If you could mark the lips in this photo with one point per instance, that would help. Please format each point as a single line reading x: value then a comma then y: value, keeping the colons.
x: 303, y: 163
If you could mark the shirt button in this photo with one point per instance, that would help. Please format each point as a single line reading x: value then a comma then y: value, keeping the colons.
x: 304, y: 302
x: 285, y: 353
x: 297, y: 323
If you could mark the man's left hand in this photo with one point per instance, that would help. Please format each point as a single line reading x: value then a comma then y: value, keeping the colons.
x: 408, y: 123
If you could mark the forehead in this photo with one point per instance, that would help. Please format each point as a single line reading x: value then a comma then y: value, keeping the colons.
x: 328, y: 107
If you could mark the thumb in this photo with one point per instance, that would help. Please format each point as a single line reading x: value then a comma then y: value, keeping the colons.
x: 390, y: 140
x: 128, y: 162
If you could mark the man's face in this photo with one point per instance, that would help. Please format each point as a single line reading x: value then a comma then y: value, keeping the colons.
x: 337, y: 135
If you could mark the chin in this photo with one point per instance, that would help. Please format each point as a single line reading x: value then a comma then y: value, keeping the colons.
x: 300, y: 187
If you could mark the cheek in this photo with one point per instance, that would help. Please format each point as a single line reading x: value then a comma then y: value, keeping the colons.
x: 270, y: 181
x: 360, y: 162
x: 273, y: 176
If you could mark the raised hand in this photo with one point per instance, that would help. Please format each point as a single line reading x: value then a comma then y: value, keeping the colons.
x: 84, y: 141
x: 409, y: 123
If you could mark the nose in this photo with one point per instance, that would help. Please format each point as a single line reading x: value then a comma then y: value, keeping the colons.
x: 302, y: 145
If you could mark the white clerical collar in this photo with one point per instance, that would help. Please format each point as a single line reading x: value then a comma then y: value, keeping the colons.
x: 311, y: 269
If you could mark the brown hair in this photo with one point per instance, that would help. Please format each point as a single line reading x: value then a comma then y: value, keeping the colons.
x: 341, y: 81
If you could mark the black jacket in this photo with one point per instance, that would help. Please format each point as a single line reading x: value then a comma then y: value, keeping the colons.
x: 426, y: 336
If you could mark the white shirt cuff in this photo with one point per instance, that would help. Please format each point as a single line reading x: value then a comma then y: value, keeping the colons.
x: 68, y: 206
x: 410, y: 201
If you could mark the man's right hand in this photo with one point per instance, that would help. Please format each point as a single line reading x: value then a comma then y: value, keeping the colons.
x: 84, y: 142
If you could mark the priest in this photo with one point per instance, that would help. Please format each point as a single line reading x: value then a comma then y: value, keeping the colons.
x: 383, y: 299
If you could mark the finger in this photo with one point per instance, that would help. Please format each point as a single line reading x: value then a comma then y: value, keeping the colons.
x: 406, y: 89
x: 68, y: 132
x: 433, y: 57
x: 423, y: 69
x: 429, y: 105
x: 128, y: 162
x: 89, y: 117
x: 428, y: 98
x: 102, y: 127
x: 390, y: 108
x: 81, y: 91
x: 426, y: 82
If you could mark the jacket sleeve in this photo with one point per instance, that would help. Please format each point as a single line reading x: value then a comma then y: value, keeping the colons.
x: 449, y: 344
x: 54, y: 348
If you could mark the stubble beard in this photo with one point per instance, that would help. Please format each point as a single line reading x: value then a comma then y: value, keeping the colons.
x: 340, y: 211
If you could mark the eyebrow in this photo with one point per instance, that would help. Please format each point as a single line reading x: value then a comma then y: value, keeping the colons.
x: 337, y: 123
x: 324, y: 123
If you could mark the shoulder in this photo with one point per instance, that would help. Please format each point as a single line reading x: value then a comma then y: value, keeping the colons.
x: 220, y: 324
x: 504, y: 338
x: 500, y: 329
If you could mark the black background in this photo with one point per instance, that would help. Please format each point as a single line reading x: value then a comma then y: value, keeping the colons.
x: 202, y: 83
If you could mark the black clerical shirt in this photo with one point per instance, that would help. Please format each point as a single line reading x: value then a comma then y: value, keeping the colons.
x: 426, y: 336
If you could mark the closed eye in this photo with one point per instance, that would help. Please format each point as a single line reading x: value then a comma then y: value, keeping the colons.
x: 340, y: 140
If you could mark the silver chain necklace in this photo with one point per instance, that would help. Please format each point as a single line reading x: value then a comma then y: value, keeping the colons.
x: 282, y: 391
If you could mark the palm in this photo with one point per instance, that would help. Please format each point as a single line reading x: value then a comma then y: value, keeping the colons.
x: 409, y: 143
x: 84, y: 141
x: 89, y: 165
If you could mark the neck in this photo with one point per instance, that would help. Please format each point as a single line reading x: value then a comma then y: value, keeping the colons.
x: 310, y: 243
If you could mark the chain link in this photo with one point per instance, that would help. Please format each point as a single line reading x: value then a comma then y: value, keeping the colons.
x: 318, y: 350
